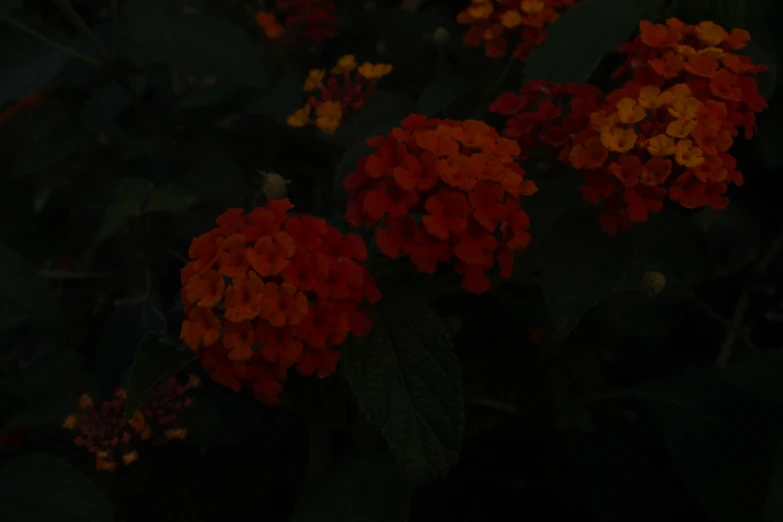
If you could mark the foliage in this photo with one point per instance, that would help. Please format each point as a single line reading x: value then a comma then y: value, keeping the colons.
x: 390, y: 261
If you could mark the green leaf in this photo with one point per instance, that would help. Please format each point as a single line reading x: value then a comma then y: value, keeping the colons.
x: 172, y: 198
x: 56, y: 377
x: 578, y: 41
x: 41, y: 487
x: 205, y: 97
x: 408, y: 383
x: 9, y: 6
x: 107, y: 102
x: 759, y: 372
x: 219, y: 181
x: 581, y: 266
x: 156, y: 360
x: 722, y: 440
x: 22, y: 292
x: 690, y: 11
x: 438, y: 94
x: 284, y: 98
x: 634, y: 313
x: 130, y: 195
x: 360, y: 486
x: 29, y: 68
x: 47, y: 152
x: 199, y: 44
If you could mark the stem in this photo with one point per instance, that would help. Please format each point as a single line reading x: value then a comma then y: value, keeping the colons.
x: 92, y: 62
x: 115, y: 22
x: 81, y: 26
x: 724, y: 355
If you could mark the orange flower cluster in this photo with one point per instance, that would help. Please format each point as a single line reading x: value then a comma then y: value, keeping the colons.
x: 443, y: 190
x: 311, y: 19
x: 668, y: 131
x: 702, y: 56
x: 493, y: 22
x: 335, y: 101
x: 647, y: 143
x: 105, y: 432
x: 266, y: 291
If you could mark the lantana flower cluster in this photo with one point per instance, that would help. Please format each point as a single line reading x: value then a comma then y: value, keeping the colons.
x: 647, y: 143
x: 443, y: 191
x: 544, y: 116
x: 103, y: 430
x: 267, y: 291
x: 344, y: 92
x: 496, y: 23
x: 311, y: 19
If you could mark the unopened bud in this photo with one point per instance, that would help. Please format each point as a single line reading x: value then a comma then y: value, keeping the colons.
x: 441, y: 36
x: 654, y: 283
x: 274, y: 185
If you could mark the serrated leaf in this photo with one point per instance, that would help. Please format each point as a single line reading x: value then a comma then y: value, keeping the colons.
x: 172, y: 198
x: 107, y: 102
x: 581, y: 37
x: 199, y: 44
x: 41, y: 487
x: 155, y: 362
x: 360, y: 486
x: 408, y: 383
x: 22, y: 293
x: 284, y: 97
x: 438, y: 94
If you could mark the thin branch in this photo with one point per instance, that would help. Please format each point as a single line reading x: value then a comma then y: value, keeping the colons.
x: 81, y: 26
x: 92, y: 62
x: 727, y: 347
x: 65, y: 274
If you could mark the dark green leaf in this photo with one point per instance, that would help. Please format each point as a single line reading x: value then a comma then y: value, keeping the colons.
x: 759, y: 372
x: 23, y: 292
x: 581, y: 266
x: 360, y: 486
x: 155, y: 362
x: 407, y: 381
x: 57, y: 377
x: 29, y: 68
x: 722, y: 440
x: 690, y: 11
x: 9, y: 6
x: 284, y: 98
x: 382, y: 109
x: 219, y: 181
x: 199, y: 44
x: 172, y: 198
x: 47, y: 152
x: 206, y: 97
x: 107, y: 102
x: 578, y: 41
x: 130, y: 195
x: 635, y: 313
x: 41, y: 487
x: 439, y: 94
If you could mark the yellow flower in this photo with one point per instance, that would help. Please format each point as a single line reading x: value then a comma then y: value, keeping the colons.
x: 314, y: 79
x: 179, y: 433
x: 650, y: 97
x: 688, y: 155
x: 710, y: 33
x: 345, y: 64
x: 130, y: 458
x: 300, y: 118
x: 680, y: 128
x: 715, y: 52
x: 660, y: 145
x: 617, y: 139
x: 374, y: 71
x: 511, y: 19
x: 685, y: 108
x: 70, y: 421
x: 85, y: 402
x: 532, y: 6
x: 482, y: 10
x: 328, y: 116
x: 629, y: 111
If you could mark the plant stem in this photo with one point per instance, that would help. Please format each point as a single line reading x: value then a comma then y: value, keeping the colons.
x: 92, y: 62
x: 81, y: 26
x: 115, y: 30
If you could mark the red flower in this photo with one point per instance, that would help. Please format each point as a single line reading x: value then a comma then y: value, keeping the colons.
x: 311, y: 19
x: 443, y: 191
x: 267, y: 291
